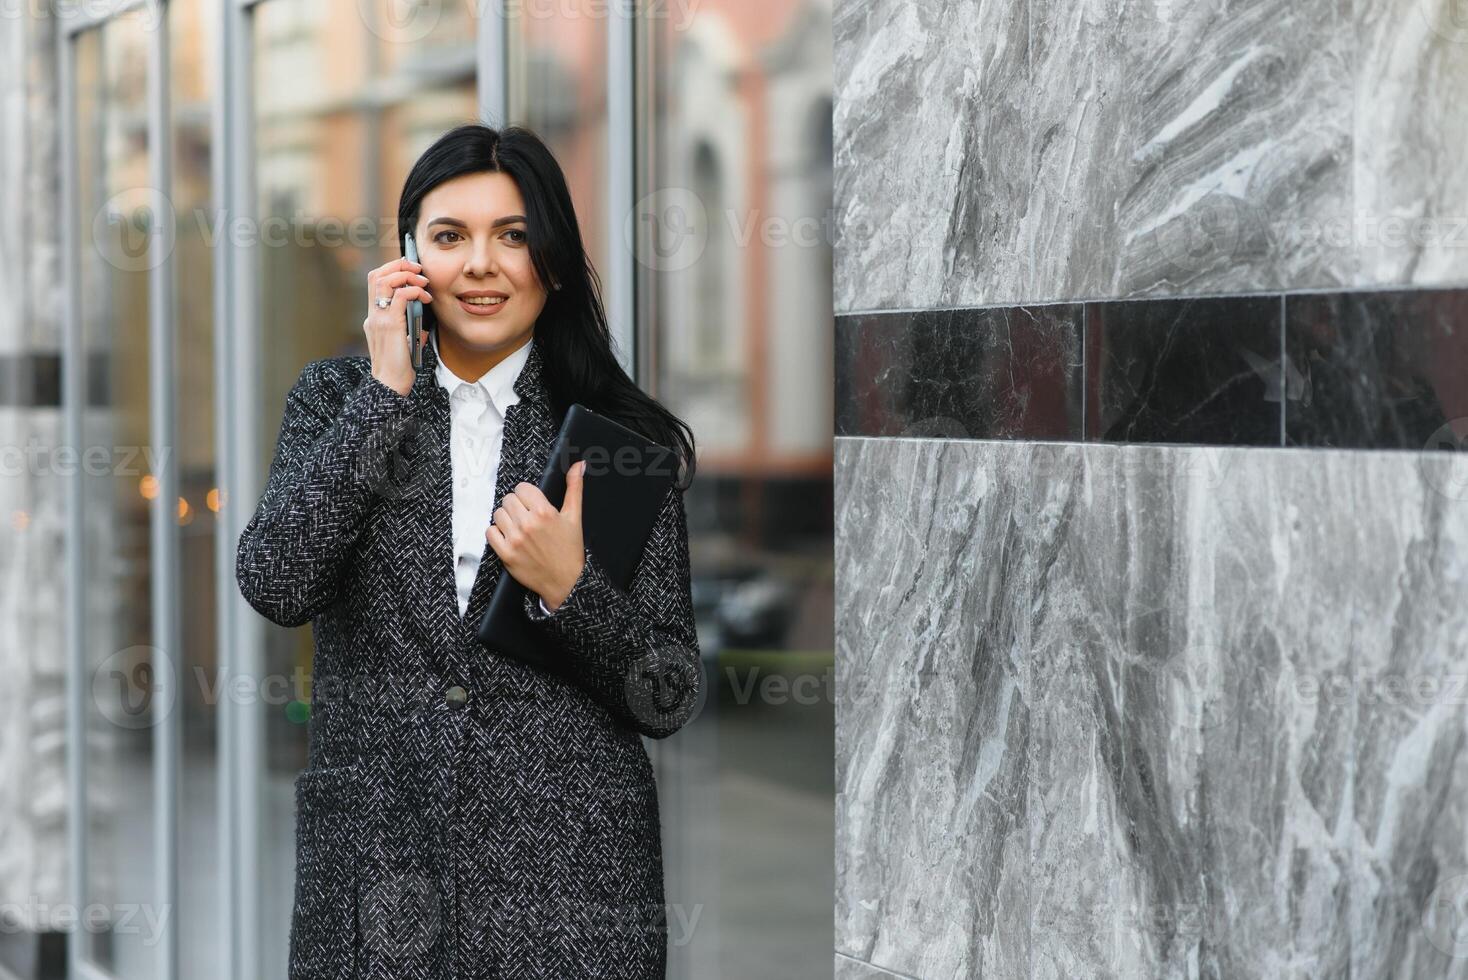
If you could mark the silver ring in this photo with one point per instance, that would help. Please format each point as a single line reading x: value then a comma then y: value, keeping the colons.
x: 383, y: 302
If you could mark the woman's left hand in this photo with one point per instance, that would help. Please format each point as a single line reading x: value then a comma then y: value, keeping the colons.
x: 541, y: 547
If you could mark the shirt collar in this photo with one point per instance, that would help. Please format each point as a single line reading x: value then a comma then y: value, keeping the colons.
x: 498, y: 382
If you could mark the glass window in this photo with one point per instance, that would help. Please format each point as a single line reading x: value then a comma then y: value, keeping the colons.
x: 558, y: 88
x: 116, y: 215
x: 735, y: 304
x: 192, y: 57
x: 347, y: 96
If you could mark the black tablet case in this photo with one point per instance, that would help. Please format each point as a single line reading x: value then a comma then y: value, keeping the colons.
x: 620, y: 500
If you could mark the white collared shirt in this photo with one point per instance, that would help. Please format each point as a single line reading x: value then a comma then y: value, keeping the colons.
x: 476, y: 437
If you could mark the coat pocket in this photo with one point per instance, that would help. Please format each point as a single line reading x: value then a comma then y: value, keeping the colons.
x: 323, y: 935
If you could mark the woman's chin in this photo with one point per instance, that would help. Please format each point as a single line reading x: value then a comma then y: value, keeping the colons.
x: 485, y: 336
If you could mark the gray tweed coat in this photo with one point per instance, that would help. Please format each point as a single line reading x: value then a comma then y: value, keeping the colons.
x: 461, y: 814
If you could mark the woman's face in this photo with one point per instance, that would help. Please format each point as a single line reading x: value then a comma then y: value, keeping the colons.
x: 472, y: 237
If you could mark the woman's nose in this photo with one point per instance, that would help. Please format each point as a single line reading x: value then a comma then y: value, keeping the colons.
x: 481, y: 261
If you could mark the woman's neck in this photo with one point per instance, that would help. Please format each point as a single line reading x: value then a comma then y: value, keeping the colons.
x: 468, y: 363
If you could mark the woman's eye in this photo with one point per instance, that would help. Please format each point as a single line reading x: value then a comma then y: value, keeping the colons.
x: 439, y: 236
x: 517, y: 231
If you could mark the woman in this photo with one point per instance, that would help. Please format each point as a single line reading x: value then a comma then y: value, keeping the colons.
x: 463, y: 815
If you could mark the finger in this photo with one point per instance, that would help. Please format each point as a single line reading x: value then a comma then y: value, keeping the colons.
x: 575, y: 481
x: 396, y: 279
x: 515, y: 506
x: 400, y: 263
x: 529, y: 495
x: 400, y: 299
x: 496, y: 539
x: 386, y: 269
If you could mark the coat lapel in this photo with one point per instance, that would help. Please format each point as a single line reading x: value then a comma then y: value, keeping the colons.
x: 529, y: 432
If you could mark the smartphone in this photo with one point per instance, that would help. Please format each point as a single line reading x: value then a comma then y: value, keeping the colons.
x: 415, y: 310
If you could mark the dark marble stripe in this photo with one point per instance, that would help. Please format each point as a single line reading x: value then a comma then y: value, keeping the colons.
x: 1366, y: 369
x: 1378, y: 370
x: 1184, y: 371
x: 1012, y: 373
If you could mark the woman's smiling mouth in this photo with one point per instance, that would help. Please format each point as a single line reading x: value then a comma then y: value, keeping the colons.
x: 481, y: 302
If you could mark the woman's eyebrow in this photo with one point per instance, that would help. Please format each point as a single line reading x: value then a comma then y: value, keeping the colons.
x: 508, y: 219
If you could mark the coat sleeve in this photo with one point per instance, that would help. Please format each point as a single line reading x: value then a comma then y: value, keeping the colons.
x: 331, y: 456
x: 636, y: 652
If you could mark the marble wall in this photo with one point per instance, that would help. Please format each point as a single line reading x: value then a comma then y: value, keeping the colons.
x: 1146, y: 711
x: 1151, y: 362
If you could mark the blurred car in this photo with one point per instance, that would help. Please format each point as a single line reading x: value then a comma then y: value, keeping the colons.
x: 743, y: 606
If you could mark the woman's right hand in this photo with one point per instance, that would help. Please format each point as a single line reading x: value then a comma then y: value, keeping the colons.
x: 387, y: 329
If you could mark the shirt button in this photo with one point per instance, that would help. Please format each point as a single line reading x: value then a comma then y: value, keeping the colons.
x: 456, y: 696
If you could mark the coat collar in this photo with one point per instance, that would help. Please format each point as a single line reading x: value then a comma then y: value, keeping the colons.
x: 529, y: 384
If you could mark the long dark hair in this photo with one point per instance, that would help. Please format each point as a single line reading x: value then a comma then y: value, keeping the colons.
x: 571, y: 332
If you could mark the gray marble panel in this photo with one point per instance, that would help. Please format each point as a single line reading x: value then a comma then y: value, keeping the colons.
x: 932, y: 846
x: 1409, y: 884
x: 1186, y: 148
x: 1411, y: 125
x: 1241, y: 675
x: 931, y: 152
x: 1190, y: 816
x: 1020, y: 153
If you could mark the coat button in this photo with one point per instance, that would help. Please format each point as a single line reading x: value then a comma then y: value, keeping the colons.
x: 456, y: 696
